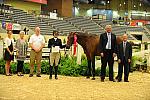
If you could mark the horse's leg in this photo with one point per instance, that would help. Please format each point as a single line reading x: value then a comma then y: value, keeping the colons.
x: 89, y: 69
x: 93, y: 67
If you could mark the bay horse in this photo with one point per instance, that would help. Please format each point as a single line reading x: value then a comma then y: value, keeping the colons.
x: 90, y: 45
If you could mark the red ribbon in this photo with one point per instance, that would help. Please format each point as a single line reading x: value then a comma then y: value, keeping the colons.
x: 75, y: 44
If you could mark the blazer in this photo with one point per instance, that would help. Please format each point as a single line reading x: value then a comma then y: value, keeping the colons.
x: 128, y: 51
x: 103, y: 42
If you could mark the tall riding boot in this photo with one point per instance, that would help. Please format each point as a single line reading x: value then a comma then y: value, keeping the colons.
x: 56, y: 71
x: 51, y: 72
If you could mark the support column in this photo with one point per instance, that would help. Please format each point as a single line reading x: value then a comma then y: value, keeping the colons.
x: 142, y: 46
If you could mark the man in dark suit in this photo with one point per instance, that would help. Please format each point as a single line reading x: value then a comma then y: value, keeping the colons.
x: 124, y: 58
x: 55, y: 44
x: 108, y: 51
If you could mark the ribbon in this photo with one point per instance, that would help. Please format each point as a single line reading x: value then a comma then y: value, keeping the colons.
x: 75, y: 44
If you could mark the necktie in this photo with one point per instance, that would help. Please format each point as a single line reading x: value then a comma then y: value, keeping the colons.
x: 124, y: 48
x: 109, y: 41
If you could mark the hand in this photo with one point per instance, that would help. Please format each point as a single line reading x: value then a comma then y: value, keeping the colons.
x: 129, y: 60
x: 11, y: 53
x: 114, y: 55
x: 119, y: 61
x: 102, y: 54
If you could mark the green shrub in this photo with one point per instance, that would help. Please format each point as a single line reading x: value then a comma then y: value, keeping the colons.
x: 2, y: 66
x: 67, y: 67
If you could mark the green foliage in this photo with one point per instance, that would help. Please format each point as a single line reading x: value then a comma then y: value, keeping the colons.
x: 2, y: 66
x: 67, y: 67
x: 136, y: 59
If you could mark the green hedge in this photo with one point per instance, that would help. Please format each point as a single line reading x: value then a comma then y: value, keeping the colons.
x: 67, y: 67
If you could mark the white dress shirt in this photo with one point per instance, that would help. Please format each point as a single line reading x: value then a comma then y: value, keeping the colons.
x: 108, y: 45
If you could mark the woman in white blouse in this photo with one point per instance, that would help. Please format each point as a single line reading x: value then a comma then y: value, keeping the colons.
x: 9, y: 51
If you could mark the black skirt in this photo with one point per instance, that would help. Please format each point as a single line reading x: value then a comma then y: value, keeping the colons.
x: 7, y: 55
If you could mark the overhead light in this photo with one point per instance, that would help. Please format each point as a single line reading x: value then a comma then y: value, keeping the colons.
x: 108, y: 1
x: 134, y: 6
x: 140, y: 4
x: 124, y: 3
x: 120, y: 4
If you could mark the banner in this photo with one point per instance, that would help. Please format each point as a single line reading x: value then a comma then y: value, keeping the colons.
x: 3, y: 24
x: 16, y: 27
x: 9, y: 26
x: 75, y: 45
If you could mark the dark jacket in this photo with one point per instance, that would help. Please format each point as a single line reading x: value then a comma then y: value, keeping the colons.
x: 103, y: 43
x: 128, y: 51
x: 53, y: 43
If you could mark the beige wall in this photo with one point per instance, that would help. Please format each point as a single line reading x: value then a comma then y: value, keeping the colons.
x: 24, y: 5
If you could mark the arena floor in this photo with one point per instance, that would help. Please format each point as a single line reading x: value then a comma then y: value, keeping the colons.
x: 74, y: 88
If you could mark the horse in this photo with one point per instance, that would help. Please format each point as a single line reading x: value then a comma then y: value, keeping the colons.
x: 90, y: 45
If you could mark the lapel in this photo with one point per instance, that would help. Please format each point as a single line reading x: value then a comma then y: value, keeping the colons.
x: 105, y: 35
x: 122, y: 46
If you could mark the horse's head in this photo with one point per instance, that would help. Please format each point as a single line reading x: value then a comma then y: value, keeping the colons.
x: 70, y: 39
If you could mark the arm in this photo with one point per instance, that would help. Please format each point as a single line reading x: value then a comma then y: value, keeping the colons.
x: 115, y: 45
x: 130, y: 51
x: 118, y: 52
x: 49, y: 43
x: 100, y: 44
x: 6, y: 45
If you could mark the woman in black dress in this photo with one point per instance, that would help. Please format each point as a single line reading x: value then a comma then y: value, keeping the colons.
x: 9, y: 51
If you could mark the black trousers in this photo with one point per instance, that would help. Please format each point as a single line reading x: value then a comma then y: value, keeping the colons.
x: 108, y: 58
x: 19, y: 65
x: 124, y: 63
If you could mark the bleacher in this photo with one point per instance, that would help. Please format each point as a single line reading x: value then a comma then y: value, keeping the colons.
x: 65, y: 25
x: 61, y: 25
x: 23, y: 18
x: 86, y: 25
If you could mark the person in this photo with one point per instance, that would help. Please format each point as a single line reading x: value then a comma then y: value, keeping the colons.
x: 55, y: 44
x: 124, y: 58
x: 21, y: 52
x: 36, y: 42
x: 108, y: 51
x: 9, y: 52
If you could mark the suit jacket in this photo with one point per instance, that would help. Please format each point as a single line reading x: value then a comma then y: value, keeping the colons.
x: 52, y: 42
x: 103, y: 43
x: 128, y: 51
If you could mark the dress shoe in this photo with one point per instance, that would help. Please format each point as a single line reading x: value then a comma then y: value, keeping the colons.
x: 31, y: 75
x: 102, y: 80
x: 112, y: 80
x: 38, y: 75
x: 126, y: 81
x: 93, y: 78
x: 56, y: 78
x: 119, y: 80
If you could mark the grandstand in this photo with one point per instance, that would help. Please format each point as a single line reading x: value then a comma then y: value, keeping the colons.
x: 66, y: 24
